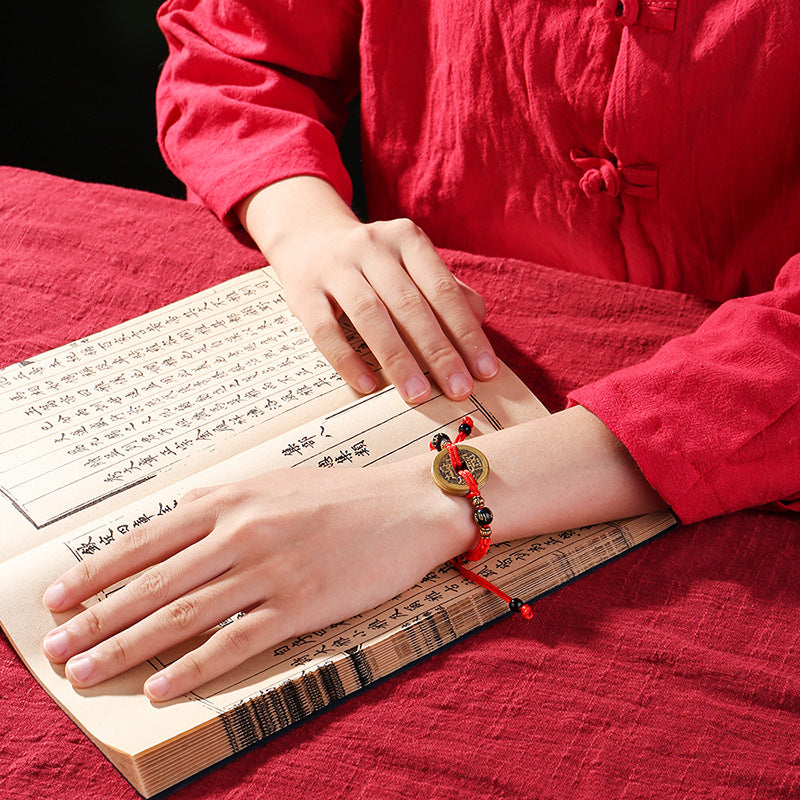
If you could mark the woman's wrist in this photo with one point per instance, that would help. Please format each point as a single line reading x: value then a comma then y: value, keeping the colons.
x: 281, y: 216
x: 553, y: 473
x: 439, y: 526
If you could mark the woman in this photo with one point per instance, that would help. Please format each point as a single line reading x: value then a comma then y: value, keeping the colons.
x: 653, y: 142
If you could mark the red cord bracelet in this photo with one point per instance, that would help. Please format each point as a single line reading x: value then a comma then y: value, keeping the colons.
x: 463, y: 471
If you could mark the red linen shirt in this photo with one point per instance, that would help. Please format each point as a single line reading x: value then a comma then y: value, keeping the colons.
x: 651, y: 141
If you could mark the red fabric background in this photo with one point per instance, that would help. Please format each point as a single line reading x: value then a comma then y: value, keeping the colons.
x: 672, y: 672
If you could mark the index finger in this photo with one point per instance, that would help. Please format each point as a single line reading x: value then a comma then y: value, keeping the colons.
x: 154, y: 542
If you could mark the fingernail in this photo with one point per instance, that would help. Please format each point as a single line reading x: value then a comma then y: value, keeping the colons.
x: 415, y: 387
x: 80, y: 669
x: 367, y: 384
x: 56, y: 644
x: 157, y: 687
x: 486, y: 365
x: 459, y: 384
x: 55, y: 595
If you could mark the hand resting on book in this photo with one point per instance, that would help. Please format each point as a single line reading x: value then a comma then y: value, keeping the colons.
x: 414, y: 315
x: 297, y: 550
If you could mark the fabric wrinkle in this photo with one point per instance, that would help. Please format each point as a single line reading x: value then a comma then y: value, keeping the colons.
x: 641, y: 140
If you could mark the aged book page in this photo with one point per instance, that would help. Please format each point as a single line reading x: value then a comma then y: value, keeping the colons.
x: 92, y: 425
x: 104, y: 434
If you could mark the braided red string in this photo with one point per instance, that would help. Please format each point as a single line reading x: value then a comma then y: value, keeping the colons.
x: 485, y: 538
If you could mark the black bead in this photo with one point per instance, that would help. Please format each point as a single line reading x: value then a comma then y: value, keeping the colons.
x: 516, y: 604
x: 483, y: 516
x: 465, y: 429
x: 439, y: 439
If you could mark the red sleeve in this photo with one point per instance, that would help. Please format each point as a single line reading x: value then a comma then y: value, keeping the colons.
x: 255, y: 92
x: 713, y: 419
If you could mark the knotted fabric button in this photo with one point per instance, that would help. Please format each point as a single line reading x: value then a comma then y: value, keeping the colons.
x: 604, y: 178
x: 624, y: 12
x: 601, y: 175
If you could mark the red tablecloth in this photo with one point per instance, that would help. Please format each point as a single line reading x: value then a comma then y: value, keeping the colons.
x: 672, y: 672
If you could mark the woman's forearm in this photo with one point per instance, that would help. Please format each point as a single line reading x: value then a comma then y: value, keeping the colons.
x: 559, y: 472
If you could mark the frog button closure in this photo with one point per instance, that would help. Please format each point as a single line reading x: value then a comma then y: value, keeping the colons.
x: 601, y: 175
x: 624, y: 12
x: 602, y: 178
x: 657, y: 15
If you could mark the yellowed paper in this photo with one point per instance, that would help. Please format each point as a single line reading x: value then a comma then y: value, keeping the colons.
x: 109, y: 432
x: 90, y: 426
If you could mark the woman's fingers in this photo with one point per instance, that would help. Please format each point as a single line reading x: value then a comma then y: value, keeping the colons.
x: 164, y: 585
x: 185, y: 617
x: 137, y: 550
x: 435, y: 315
x: 430, y: 309
x: 382, y: 331
x: 314, y: 310
x: 230, y: 646
x: 460, y: 322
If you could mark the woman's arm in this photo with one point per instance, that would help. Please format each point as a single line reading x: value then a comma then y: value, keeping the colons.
x: 713, y: 418
x: 248, y: 117
x: 299, y: 553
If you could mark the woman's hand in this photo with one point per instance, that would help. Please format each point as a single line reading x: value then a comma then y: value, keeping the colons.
x: 414, y: 315
x: 295, y: 549
x: 298, y: 550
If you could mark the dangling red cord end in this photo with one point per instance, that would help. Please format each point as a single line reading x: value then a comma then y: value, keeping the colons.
x: 514, y: 603
x: 517, y: 605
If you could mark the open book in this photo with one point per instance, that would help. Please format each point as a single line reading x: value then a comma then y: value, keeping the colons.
x: 105, y: 433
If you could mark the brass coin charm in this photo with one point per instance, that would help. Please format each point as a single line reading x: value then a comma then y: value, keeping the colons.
x: 448, y: 480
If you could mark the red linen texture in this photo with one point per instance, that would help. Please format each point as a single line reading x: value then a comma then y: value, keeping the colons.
x: 649, y: 142
x: 669, y: 673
